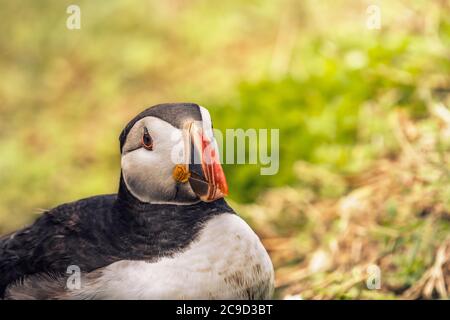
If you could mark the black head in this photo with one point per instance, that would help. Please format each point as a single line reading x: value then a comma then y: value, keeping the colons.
x: 174, y: 113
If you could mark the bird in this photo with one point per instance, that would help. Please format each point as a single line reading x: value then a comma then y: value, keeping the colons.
x: 168, y: 232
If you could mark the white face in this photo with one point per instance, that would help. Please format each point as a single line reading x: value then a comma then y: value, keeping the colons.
x: 153, y: 148
x: 148, y: 173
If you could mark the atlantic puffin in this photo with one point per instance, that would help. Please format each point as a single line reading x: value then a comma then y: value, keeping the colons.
x: 167, y: 234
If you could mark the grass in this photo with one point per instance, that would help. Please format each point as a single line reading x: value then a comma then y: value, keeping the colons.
x: 395, y: 215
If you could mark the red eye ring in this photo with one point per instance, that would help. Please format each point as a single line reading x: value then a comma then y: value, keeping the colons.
x: 147, y: 141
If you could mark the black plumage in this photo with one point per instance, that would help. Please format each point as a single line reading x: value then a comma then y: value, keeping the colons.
x: 97, y: 231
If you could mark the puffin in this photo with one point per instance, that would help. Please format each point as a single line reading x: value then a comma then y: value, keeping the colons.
x: 168, y: 233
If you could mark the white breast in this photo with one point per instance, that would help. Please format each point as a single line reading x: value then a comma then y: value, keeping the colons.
x: 227, y: 261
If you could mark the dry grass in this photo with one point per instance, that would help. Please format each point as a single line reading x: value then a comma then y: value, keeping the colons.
x: 394, y: 215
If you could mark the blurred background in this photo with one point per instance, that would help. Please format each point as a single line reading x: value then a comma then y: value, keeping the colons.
x: 363, y: 115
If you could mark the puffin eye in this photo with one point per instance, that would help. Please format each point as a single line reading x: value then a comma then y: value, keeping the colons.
x: 147, y: 141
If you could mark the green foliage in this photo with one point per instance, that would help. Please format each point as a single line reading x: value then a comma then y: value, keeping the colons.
x: 331, y: 115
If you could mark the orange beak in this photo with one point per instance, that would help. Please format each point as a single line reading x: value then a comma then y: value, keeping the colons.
x: 207, y: 178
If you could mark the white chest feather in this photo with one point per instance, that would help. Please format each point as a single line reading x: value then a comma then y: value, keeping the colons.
x: 227, y: 261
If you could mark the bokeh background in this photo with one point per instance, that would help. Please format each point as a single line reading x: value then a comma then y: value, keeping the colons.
x: 363, y: 115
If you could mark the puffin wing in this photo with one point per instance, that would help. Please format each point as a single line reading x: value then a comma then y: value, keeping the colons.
x: 44, y: 250
x: 23, y: 252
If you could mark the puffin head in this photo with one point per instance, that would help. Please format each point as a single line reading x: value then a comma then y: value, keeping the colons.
x: 169, y: 155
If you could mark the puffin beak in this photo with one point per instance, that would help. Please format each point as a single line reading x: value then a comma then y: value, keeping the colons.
x: 206, y: 178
